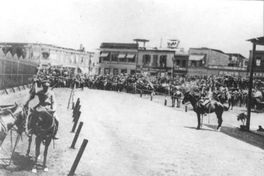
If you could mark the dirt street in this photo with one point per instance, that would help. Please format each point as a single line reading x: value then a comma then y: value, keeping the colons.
x: 131, y: 136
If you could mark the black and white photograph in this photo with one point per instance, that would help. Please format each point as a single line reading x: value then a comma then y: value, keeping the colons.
x: 132, y: 87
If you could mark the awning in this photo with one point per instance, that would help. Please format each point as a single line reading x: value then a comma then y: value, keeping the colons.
x: 196, y: 57
x: 130, y: 56
x: 120, y: 56
x: 104, y: 54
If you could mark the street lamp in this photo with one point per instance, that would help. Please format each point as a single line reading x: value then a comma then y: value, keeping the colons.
x: 254, y: 41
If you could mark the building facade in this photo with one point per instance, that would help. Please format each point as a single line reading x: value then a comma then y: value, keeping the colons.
x: 118, y: 58
x: 155, y: 61
x: 17, y: 66
x: 115, y: 58
x: 207, y: 61
x: 79, y: 60
x: 20, y: 61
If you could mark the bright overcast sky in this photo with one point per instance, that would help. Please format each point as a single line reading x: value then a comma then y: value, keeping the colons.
x: 217, y: 24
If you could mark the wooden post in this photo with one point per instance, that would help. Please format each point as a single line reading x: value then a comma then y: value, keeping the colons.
x: 76, y: 135
x: 75, y: 122
x: 165, y: 102
x: 185, y: 108
x: 78, y: 157
x: 69, y: 101
x: 252, y: 64
x: 140, y: 93
x: 75, y: 111
x: 76, y: 115
x: 73, y: 105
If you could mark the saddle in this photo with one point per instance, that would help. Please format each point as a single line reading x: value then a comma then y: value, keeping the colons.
x: 204, y: 103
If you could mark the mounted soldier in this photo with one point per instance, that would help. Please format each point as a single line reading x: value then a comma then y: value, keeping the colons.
x: 47, y: 104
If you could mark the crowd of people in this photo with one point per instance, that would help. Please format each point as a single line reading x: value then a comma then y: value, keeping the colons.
x: 225, y: 89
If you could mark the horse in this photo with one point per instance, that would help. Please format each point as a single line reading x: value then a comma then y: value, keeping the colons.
x: 42, y: 124
x: 212, y: 106
x: 11, y: 116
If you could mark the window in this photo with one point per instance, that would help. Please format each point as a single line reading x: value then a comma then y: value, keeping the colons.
x: 131, y: 57
x: 122, y: 57
x: 163, y: 61
x: 178, y: 62
x: 146, y: 59
x: 124, y: 71
x: 104, y: 56
x: 193, y: 63
x: 184, y: 63
x: 155, y: 61
x: 115, y: 71
x: 114, y: 57
x: 106, y: 71
x: 132, y: 72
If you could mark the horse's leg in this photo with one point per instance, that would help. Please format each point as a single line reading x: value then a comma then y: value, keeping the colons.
x: 29, y: 145
x: 220, y: 120
x: 38, y: 142
x: 46, y: 153
x: 199, y: 121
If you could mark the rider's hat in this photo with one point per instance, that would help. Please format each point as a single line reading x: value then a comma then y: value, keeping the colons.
x: 46, y: 83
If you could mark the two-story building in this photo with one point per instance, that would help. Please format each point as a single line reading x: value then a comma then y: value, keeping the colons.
x: 118, y: 58
x: 51, y: 55
x: 207, y: 61
x: 155, y: 61
x: 132, y: 58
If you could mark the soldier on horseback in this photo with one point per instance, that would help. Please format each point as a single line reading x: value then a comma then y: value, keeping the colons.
x: 46, y: 103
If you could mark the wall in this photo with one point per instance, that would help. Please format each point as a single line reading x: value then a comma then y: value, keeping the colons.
x: 212, y: 57
x: 14, y: 70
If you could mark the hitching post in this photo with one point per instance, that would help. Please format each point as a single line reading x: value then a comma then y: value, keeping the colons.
x: 78, y: 157
x: 76, y: 135
x: 75, y: 112
x: 75, y: 122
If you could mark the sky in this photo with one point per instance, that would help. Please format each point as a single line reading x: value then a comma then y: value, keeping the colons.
x: 218, y: 24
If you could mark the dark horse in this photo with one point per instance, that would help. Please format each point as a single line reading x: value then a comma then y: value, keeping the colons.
x: 210, y: 107
x: 42, y: 124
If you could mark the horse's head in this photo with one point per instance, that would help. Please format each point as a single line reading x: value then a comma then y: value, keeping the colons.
x: 20, y: 116
x: 187, y: 97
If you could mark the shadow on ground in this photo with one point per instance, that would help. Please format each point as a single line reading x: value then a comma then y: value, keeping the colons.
x: 201, y: 129
x: 19, y: 163
x: 244, y: 136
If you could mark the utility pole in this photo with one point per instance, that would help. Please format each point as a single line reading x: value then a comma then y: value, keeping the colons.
x: 252, y: 64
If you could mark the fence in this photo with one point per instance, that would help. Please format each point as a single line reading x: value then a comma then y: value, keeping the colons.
x: 15, y: 72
